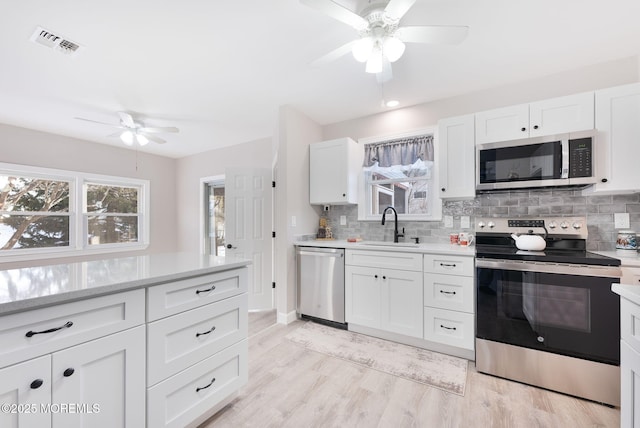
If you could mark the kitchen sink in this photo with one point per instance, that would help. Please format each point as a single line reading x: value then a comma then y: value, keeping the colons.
x: 390, y: 244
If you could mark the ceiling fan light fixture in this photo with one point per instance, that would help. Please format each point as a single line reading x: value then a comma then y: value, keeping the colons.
x: 393, y: 48
x: 374, y: 64
x: 127, y: 137
x: 362, y: 49
x: 142, y: 139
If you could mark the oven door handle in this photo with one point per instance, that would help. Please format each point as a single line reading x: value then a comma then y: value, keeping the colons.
x: 557, y: 268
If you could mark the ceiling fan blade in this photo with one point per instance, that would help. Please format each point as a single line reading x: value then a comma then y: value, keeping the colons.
x: 338, y: 12
x: 334, y: 54
x: 155, y: 139
x: 115, y: 135
x: 445, y: 34
x: 101, y: 123
x: 126, y: 119
x: 397, y: 8
x: 155, y: 130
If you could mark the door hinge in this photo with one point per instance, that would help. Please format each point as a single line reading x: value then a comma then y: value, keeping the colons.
x: 273, y: 285
x: 273, y: 184
x: 273, y: 234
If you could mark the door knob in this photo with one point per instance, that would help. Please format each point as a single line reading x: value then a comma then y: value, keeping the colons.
x: 229, y: 246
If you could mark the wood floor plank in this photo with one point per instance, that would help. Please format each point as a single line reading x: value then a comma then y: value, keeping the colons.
x: 290, y: 386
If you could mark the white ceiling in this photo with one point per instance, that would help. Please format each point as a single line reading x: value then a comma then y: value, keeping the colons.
x: 219, y: 70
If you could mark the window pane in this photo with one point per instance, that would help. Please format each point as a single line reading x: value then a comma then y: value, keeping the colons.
x: 111, y: 199
x: 31, y: 231
x: 105, y: 229
x: 27, y: 194
x: 407, y: 197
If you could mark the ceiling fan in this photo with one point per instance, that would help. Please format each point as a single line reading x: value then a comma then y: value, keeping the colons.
x: 381, y: 40
x: 135, y: 131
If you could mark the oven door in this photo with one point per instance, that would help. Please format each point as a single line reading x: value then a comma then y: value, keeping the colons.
x: 516, y: 164
x: 564, y: 309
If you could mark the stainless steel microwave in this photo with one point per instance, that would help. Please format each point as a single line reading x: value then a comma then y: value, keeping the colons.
x: 556, y: 160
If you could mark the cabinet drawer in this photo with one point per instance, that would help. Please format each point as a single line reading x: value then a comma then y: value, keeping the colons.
x: 179, y: 341
x: 182, y: 398
x: 449, y: 327
x: 450, y: 265
x: 74, y: 323
x: 449, y: 292
x: 384, y: 259
x: 178, y: 296
x: 630, y: 323
x: 630, y: 276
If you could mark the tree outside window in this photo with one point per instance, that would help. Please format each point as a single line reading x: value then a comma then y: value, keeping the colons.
x: 111, y: 214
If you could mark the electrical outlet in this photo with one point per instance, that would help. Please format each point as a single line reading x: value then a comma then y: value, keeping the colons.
x: 343, y: 220
x: 621, y: 220
x: 448, y: 221
x: 465, y: 222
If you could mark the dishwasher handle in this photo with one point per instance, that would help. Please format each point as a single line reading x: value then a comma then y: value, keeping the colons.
x: 319, y: 253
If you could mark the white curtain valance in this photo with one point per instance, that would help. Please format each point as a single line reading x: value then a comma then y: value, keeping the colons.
x: 403, y: 151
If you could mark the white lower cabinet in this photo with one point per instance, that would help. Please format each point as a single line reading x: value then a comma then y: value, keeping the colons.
x: 385, y: 299
x: 449, y: 327
x: 630, y: 386
x: 97, y: 384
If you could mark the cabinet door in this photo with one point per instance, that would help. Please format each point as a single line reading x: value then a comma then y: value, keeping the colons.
x: 24, y: 389
x: 617, y: 148
x: 503, y: 124
x: 362, y: 296
x: 560, y: 115
x: 456, y: 158
x: 630, y: 386
x: 332, y: 175
x: 402, y: 302
x: 106, y: 377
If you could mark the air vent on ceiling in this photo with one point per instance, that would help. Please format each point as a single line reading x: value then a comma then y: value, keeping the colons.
x: 55, y: 41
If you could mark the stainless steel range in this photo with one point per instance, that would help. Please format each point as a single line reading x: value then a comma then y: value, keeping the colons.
x: 547, y: 318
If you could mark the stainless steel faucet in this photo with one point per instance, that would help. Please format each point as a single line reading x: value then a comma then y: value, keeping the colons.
x: 396, y: 235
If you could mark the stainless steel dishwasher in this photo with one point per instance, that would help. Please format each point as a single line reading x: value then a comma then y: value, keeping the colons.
x: 320, y: 283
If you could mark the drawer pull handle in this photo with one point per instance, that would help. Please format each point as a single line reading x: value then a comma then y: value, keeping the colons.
x: 213, y: 287
x: 205, y: 387
x: 448, y: 264
x: 68, y: 372
x: 36, y: 384
x: 447, y: 292
x: 51, y: 330
x: 206, y: 332
x: 448, y: 328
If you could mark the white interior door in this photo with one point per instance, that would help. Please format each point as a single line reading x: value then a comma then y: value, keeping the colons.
x: 248, y: 228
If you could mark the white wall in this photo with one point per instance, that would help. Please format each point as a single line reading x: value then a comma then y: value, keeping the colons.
x: 598, y: 76
x: 295, y: 133
x: 190, y: 169
x: 35, y: 148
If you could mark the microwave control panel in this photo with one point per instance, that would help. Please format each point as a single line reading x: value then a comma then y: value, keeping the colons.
x: 580, y: 158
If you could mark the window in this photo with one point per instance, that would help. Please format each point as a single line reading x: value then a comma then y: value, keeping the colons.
x: 400, y: 172
x: 52, y: 213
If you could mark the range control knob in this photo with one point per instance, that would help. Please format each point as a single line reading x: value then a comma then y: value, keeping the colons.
x: 491, y: 225
x: 564, y: 225
x: 552, y: 225
x: 481, y: 225
x: 577, y: 225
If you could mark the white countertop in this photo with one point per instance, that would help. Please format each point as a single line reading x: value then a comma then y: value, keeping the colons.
x: 424, y: 248
x: 627, y: 258
x: 32, y: 287
x: 629, y: 292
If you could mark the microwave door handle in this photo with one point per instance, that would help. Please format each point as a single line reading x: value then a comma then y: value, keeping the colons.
x: 565, y: 158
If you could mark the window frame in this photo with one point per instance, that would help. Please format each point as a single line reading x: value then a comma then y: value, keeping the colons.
x: 364, y: 187
x: 78, y: 230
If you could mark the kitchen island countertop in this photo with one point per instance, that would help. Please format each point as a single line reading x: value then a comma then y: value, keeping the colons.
x: 38, y: 286
x: 629, y: 292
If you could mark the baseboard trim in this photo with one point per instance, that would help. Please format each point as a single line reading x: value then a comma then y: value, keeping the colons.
x: 287, y: 318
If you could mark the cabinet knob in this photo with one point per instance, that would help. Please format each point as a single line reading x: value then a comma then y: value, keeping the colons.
x: 384, y: 277
x: 523, y: 129
x: 344, y: 194
x: 443, y: 189
x: 604, y: 180
x: 36, y: 384
x: 535, y: 127
x: 68, y: 372
x: 375, y: 276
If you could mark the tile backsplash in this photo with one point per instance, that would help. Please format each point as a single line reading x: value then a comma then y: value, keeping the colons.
x: 598, y: 209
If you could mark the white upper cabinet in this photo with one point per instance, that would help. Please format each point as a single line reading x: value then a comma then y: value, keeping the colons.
x: 618, y: 139
x: 334, y: 167
x: 548, y: 117
x: 456, y: 157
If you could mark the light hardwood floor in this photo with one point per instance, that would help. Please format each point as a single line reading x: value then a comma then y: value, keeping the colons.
x: 290, y: 386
